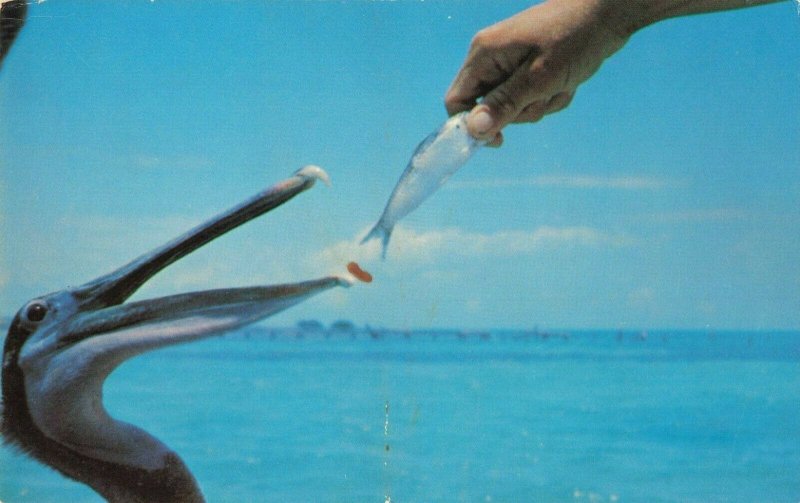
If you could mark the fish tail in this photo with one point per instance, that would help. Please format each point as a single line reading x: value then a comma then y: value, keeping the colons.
x: 382, y: 232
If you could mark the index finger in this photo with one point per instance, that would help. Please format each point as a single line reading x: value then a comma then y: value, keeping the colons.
x: 479, y: 74
x: 463, y: 93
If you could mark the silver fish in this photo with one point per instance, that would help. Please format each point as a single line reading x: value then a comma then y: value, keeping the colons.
x: 438, y: 156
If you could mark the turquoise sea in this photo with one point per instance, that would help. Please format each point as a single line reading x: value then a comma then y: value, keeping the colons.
x: 353, y: 415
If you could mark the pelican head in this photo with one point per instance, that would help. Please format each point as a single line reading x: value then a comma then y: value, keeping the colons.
x: 61, y: 347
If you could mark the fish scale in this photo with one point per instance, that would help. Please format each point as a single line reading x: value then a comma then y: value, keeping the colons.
x: 435, y: 159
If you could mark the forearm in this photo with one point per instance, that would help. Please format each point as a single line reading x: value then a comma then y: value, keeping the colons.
x: 632, y: 15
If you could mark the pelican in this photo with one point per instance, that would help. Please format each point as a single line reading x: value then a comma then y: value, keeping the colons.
x: 12, y: 17
x: 61, y: 347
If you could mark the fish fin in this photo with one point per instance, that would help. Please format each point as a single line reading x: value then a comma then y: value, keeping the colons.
x: 382, y: 232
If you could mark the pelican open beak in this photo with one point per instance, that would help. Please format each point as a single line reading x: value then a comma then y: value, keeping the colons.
x: 108, y: 330
x: 61, y: 347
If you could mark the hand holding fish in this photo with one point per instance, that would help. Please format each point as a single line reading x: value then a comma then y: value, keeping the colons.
x: 530, y: 64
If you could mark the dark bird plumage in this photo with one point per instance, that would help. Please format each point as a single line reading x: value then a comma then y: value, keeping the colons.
x: 12, y: 17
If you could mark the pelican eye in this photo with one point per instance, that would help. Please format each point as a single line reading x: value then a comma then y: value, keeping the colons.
x: 35, y: 311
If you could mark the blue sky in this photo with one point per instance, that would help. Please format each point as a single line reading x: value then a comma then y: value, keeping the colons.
x: 666, y: 196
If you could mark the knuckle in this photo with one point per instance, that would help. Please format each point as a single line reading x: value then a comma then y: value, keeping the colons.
x: 479, y: 40
x: 453, y: 95
x: 483, y: 39
x: 544, y: 72
x: 532, y: 113
x: 503, y: 101
x: 449, y: 98
x: 528, y: 79
x: 452, y: 101
x: 561, y: 101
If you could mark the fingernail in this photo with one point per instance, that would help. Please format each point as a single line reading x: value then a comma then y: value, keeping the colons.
x: 480, y: 120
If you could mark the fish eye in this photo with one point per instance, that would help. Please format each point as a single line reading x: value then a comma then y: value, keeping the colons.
x: 35, y: 311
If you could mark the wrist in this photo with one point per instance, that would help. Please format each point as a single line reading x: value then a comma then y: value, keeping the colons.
x: 626, y: 17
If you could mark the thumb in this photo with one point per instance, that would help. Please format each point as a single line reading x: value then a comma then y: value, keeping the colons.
x: 500, y: 106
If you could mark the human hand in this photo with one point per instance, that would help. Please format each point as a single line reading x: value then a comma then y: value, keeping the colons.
x: 529, y: 65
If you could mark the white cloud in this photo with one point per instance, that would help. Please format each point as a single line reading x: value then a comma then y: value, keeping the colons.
x: 410, y: 246
x: 642, y: 297
x: 696, y: 216
x: 171, y: 162
x: 574, y: 181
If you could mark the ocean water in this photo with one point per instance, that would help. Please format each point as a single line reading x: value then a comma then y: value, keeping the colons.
x: 497, y: 416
